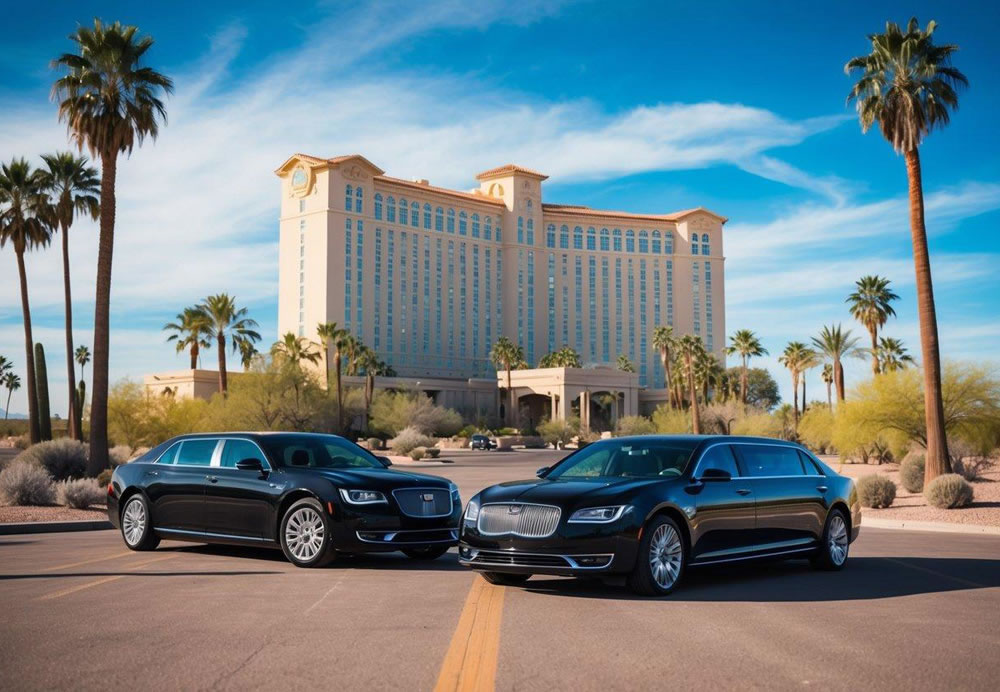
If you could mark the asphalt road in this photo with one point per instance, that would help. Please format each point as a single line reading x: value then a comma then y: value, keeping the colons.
x: 910, y: 611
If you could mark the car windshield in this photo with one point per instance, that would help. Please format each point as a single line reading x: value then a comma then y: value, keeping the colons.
x: 627, y: 458
x: 317, y: 451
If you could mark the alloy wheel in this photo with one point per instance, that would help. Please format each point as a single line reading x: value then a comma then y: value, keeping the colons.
x: 134, y: 521
x: 304, y: 532
x: 665, y: 554
x: 837, y: 540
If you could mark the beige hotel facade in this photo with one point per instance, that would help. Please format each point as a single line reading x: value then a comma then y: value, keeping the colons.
x: 430, y: 277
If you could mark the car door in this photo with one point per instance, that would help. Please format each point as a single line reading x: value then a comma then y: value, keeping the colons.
x: 237, y: 502
x: 176, y: 485
x: 724, y: 519
x: 790, y: 503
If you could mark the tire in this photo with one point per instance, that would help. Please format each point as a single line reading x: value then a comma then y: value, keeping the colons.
x: 504, y: 579
x: 427, y: 552
x: 136, y: 526
x: 662, y: 559
x: 305, y: 534
x: 836, y: 544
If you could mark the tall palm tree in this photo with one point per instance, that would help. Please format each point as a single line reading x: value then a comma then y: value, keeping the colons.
x: 11, y: 383
x: 810, y: 359
x: 82, y: 355
x: 225, y: 320
x: 330, y: 335
x: 664, y: 342
x: 5, y: 365
x: 368, y: 363
x: 295, y: 350
x: 708, y: 373
x: 746, y: 345
x: 794, y: 357
x: 72, y: 187
x: 247, y: 353
x: 110, y: 102
x: 191, y: 332
x: 871, y: 305
x: 892, y: 355
x: 908, y: 86
x: 624, y: 364
x: 507, y: 356
x: 828, y: 381
x: 690, y: 349
x: 21, y: 225
x: 836, y: 344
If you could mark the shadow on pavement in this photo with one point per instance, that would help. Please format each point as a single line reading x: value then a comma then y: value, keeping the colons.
x: 3, y: 543
x: 863, y: 578
x: 187, y: 573
x: 373, y: 561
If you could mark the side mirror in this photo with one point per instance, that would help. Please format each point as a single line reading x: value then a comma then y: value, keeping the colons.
x: 249, y: 465
x: 716, y: 475
x: 542, y: 471
x: 384, y: 461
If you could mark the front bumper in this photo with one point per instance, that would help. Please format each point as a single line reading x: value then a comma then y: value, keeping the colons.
x: 371, y: 531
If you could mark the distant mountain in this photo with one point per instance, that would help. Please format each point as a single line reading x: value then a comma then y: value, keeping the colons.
x: 11, y: 416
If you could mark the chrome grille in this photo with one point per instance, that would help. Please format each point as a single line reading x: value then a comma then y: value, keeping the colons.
x: 424, y: 502
x: 518, y: 519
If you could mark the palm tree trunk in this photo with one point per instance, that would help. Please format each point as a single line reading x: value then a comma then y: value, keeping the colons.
x: 803, y: 393
x: 74, y: 434
x: 6, y: 410
x: 221, y: 345
x: 340, y: 392
x: 795, y: 400
x: 326, y: 365
x: 665, y: 357
x: 838, y: 376
x: 874, y: 335
x: 829, y: 395
x: 743, y: 383
x: 695, y: 415
x: 195, y: 350
x: 29, y: 355
x: 102, y: 311
x: 937, y: 461
x: 510, y: 400
x: 369, y: 394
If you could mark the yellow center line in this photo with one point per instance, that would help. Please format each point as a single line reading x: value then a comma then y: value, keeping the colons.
x: 88, y: 562
x: 103, y: 580
x: 471, y: 661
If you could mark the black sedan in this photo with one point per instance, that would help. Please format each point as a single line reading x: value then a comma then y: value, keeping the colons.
x: 481, y: 442
x: 311, y: 495
x: 648, y: 507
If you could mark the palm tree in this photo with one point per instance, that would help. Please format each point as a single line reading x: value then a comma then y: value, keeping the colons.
x: 624, y: 364
x: 225, y: 319
x: 565, y: 357
x: 295, y: 350
x: 12, y: 383
x: 110, y: 103
x: 828, y: 380
x: 368, y: 363
x: 708, y: 373
x: 908, y: 86
x: 690, y: 349
x: 5, y: 365
x: 892, y: 355
x: 191, y: 331
x: 329, y: 336
x: 82, y: 356
x: 795, y: 357
x: 836, y: 344
x: 871, y: 305
x: 247, y: 353
x: 22, y: 227
x: 72, y: 187
x: 506, y: 356
x: 746, y: 345
x: 664, y: 342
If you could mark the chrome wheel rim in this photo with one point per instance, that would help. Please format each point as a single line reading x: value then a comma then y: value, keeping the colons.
x: 304, y: 532
x: 134, y: 522
x: 837, y: 541
x: 665, y: 555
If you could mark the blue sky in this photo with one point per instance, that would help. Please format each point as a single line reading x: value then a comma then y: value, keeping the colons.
x: 654, y: 107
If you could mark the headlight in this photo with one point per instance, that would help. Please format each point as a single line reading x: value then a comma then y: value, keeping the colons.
x: 597, y: 515
x: 471, y: 513
x: 455, y: 496
x: 362, y: 497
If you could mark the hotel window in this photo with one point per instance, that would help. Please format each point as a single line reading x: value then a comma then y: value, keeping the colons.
x: 704, y: 244
x: 657, y: 245
x: 694, y: 244
x: 403, y: 211
x: 462, y: 302
x: 520, y: 230
x: 487, y: 289
x: 708, y: 304
x: 528, y: 205
x: 591, y: 238
x: 592, y: 293
x: 439, y: 219
x: 643, y: 343
x: 630, y: 240
x: 347, y: 274
x: 499, y: 230
x: 657, y: 365
x: 618, y: 303
x: 487, y: 230
x: 531, y: 231
x: 550, y: 236
x: 302, y: 205
x: 643, y: 241
x: 605, y: 240
x: 415, y: 215
x: 577, y: 238
x: 630, y: 280
x: 451, y: 301
x: 605, y: 312
x: 378, y: 206
x: 617, y: 238
x: 670, y: 293
x: 389, y: 275
x: 427, y: 294
x: 552, y: 302
x: 348, y: 194
x: 564, y: 237
x: 438, y: 274
x: 463, y: 223
x: 390, y: 210
x: 668, y: 242
x: 377, y: 291
x: 427, y: 216
x: 359, y: 291
x: 531, y: 306
x: 451, y: 220
x: 358, y: 199
x: 578, y: 276
x: 475, y: 225
x: 696, y: 297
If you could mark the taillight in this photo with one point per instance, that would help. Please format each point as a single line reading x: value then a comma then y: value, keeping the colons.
x: 111, y: 488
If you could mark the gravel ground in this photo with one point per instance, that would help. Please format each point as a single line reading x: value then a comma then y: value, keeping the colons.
x: 984, y: 510
x: 10, y: 515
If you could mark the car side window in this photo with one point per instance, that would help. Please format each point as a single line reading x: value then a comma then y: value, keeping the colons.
x: 346, y: 455
x: 238, y: 450
x: 812, y: 469
x: 719, y: 457
x: 196, y: 452
x: 169, y: 456
x: 771, y: 460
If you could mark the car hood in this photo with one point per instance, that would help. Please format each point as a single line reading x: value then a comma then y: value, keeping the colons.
x: 566, y: 492
x: 379, y: 479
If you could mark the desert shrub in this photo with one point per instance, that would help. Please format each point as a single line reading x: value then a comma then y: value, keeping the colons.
x: 391, y: 412
x: 26, y: 483
x: 759, y: 425
x: 22, y: 442
x: 507, y: 432
x: 816, y: 429
x: 671, y: 421
x: 417, y: 453
x: 468, y: 431
x: 82, y: 493
x: 121, y: 454
x: 374, y: 443
x: 559, y: 432
x: 634, y: 425
x: 104, y: 477
x: 408, y: 439
x: 911, y: 473
x: 876, y: 491
x: 63, y: 458
x: 948, y: 492
x: 432, y: 452
x: 971, y: 468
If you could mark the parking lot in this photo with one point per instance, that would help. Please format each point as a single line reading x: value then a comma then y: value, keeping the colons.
x: 911, y: 610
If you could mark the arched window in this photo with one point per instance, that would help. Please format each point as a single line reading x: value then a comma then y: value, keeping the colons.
x: 463, y: 223
x: 705, y: 249
x: 403, y: 211
x: 630, y: 240
x: 529, y: 205
x: 694, y: 244
x: 427, y: 216
x: 378, y: 206
x: 439, y: 219
x: 564, y: 237
x: 643, y: 241
x: 550, y: 235
x: 348, y: 195
x: 577, y: 238
x: 390, y: 209
x: 531, y: 231
x: 415, y: 215
x: 475, y: 225
x: 487, y: 228
x: 605, y: 246
x: 657, y: 245
x: 358, y: 195
x: 616, y: 236
x: 451, y: 220
x: 591, y: 238
x: 520, y: 230
x: 668, y: 242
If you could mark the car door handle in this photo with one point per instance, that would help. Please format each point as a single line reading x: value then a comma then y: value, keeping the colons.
x: 212, y: 479
x: 743, y: 491
x: 821, y: 488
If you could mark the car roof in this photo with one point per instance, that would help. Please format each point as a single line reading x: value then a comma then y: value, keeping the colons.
x: 707, y: 438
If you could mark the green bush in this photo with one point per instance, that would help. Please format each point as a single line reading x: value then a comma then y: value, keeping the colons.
x: 508, y: 432
x: 671, y: 421
x: 417, y: 453
x: 911, y: 473
x: 26, y: 483
x: 634, y: 425
x: 559, y: 432
x: 82, y: 493
x: 63, y: 458
x: 432, y: 452
x: 374, y: 443
x: 408, y: 439
x: 468, y: 431
x: 104, y: 478
x: 948, y: 492
x: 876, y: 491
x: 391, y: 412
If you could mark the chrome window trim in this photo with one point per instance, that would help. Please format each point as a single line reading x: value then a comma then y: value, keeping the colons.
x: 212, y: 463
x: 451, y: 503
x: 515, y: 533
x: 243, y: 439
x: 695, y: 476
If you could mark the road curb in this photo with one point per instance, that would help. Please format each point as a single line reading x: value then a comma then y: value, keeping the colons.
x: 54, y: 526
x: 937, y: 526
